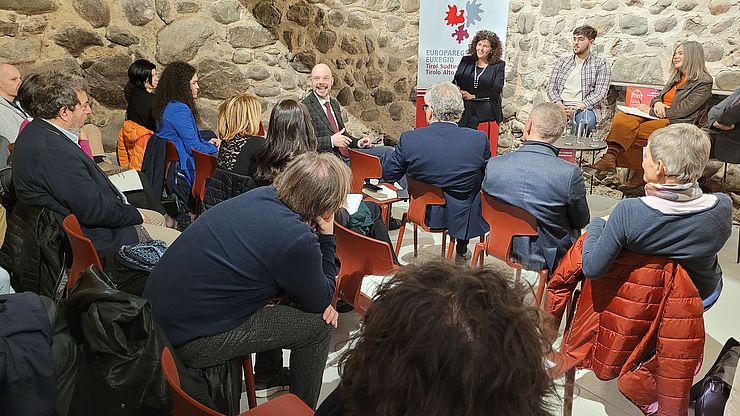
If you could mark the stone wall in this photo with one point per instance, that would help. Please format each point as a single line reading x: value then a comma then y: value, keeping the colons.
x: 262, y: 46
x: 636, y: 37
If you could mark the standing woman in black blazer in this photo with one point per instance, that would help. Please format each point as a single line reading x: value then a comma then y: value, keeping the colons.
x: 480, y: 77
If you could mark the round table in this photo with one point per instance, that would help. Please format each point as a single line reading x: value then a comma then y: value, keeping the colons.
x: 590, y: 145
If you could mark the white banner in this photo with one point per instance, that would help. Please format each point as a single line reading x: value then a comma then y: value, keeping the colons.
x: 446, y: 28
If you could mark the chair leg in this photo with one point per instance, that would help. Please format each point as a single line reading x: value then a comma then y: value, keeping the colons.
x: 541, y: 287
x: 477, y: 252
x: 450, y: 248
x: 737, y: 260
x: 401, y: 230
x: 384, y: 214
x: 416, y: 240
x: 570, y: 380
x: 249, y: 382
x: 724, y: 178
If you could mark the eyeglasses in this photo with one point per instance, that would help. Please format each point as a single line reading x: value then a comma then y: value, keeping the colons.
x: 424, y: 107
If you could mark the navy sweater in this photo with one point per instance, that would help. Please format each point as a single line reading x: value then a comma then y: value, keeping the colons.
x: 693, y: 239
x: 233, y: 260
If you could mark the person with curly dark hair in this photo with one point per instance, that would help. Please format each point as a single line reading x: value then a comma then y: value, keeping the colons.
x: 177, y: 115
x: 445, y: 339
x: 480, y: 77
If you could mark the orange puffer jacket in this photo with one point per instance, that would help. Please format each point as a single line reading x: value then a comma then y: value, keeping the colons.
x: 131, y: 144
x: 642, y: 305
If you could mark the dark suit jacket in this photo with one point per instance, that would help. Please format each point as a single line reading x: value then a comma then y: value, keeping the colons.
x: 51, y: 171
x: 551, y: 189
x: 448, y: 157
x: 321, y: 125
x: 490, y: 85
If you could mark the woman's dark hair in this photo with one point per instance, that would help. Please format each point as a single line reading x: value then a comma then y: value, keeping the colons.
x: 443, y: 339
x: 26, y: 90
x: 174, y: 84
x: 492, y: 38
x: 289, y: 134
x: 139, y: 73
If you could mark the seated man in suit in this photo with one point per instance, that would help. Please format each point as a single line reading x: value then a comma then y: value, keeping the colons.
x: 326, y: 117
x: 551, y: 189
x: 51, y: 170
x: 449, y: 157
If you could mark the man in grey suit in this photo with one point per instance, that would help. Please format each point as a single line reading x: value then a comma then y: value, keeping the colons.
x: 551, y: 189
x: 326, y: 116
x: 11, y: 114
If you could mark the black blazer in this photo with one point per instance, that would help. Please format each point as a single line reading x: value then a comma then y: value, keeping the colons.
x: 51, y: 171
x: 321, y: 125
x: 490, y: 85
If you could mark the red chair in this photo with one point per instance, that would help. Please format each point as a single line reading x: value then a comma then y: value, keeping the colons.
x: 360, y: 256
x: 170, y: 156
x: 491, y: 130
x: 184, y: 405
x: 421, y: 196
x: 84, y: 253
x: 205, y: 165
x: 506, y: 221
x: 365, y: 166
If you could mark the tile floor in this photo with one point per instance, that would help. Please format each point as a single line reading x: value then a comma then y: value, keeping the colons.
x: 593, y: 397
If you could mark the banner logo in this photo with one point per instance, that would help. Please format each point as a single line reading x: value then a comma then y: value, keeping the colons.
x: 457, y: 18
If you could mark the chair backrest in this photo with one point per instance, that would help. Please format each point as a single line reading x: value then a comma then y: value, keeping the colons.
x: 182, y: 403
x: 363, y: 166
x: 506, y: 221
x: 360, y: 256
x: 491, y: 130
x: 421, y: 196
x: 205, y: 165
x: 171, y: 155
x: 84, y: 253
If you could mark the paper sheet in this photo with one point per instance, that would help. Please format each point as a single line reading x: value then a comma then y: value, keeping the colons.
x: 353, y: 203
x: 126, y: 181
x: 635, y: 112
x: 371, y: 283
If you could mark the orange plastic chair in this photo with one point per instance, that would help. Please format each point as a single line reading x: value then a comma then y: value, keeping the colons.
x: 184, y: 405
x: 365, y: 166
x: 506, y: 221
x: 84, y: 253
x: 360, y: 256
x: 491, y: 130
x: 421, y: 196
x: 205, y: 165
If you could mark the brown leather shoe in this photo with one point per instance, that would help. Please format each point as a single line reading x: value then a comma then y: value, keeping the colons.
x: 608, y: 163
x: 635, y: 182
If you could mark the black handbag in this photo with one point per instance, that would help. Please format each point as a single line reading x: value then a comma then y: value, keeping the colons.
x: 710, y: 394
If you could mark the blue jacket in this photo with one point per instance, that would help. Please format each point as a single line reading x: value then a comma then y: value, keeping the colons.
x: 178, y: 126
x: 552, y: 190
x: 451, y: 158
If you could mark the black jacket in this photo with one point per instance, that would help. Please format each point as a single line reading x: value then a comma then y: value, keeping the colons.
x: 223, y: 185
x: 490, y: 86
x: 139, y: 108
x: 51, y: 171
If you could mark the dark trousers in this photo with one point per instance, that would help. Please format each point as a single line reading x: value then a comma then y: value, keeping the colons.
x: 305, y: 334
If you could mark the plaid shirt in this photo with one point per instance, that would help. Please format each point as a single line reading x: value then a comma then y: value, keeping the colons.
x: 595, y: 78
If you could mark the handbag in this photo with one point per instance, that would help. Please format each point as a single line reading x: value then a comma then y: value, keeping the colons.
x: 710, y: 394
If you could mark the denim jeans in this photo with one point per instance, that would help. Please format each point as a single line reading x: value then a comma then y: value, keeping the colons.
x: 590, y: 118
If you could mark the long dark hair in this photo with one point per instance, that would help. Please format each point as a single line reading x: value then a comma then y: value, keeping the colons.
x: 492, y: 38
x: 442, y: 339
x: 289, y: 134
x: 174, y: 84
x: 139, y: 73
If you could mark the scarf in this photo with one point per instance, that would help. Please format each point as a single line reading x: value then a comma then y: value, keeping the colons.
x: 677, y: 192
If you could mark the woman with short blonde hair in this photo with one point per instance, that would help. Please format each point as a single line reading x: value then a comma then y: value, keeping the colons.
x: 238, y: 128
x: 682, y: 100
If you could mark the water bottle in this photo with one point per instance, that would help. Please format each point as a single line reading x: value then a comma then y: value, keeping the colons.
x: 569, y: 132
x: 582, y: 131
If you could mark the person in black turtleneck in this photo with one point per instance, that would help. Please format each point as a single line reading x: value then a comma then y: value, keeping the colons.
x: 143, y: 78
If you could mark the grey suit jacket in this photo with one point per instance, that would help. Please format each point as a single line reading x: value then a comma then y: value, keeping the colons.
x: 10, y: 120
x: 551, y: 189
x: 321, y: 125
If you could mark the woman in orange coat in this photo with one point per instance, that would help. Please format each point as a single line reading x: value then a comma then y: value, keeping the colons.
x: 682, y: 100
x: 139, y: 124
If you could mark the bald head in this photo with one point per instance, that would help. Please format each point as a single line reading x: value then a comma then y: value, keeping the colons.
x: 321, y: 80
x: 10, y: 79
x: 546, y: 123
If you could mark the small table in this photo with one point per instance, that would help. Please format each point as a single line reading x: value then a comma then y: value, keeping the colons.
x: 589, y: 146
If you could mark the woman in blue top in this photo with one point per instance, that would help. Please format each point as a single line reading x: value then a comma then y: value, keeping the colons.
x: 177, y: 116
